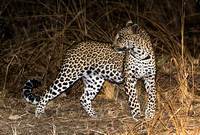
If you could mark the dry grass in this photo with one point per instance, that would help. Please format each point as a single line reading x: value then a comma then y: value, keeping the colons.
x: 35, y: 35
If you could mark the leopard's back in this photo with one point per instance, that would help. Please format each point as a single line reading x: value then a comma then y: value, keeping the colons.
x: 93, y: 55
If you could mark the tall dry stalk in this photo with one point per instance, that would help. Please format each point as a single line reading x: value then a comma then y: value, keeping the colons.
x: 183, y: 73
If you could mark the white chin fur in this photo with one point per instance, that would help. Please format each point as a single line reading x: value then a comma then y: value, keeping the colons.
x: 118, y: 51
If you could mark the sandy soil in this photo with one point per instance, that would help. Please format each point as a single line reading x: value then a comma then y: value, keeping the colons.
x: 64, y: 115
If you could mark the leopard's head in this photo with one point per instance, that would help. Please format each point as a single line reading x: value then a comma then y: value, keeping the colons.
x: 126, y: 38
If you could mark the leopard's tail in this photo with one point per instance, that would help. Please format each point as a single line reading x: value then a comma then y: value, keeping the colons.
x: 27, y: 91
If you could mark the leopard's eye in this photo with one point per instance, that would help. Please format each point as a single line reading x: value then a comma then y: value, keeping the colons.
x: 120, y: 39
x: 120, y: 35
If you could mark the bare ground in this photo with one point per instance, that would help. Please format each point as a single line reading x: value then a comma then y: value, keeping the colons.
x: 64, y: 115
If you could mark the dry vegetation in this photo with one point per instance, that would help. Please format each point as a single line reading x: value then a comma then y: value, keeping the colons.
x: 35, y: 35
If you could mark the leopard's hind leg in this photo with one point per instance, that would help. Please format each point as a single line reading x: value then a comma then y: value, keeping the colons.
x: 92, y: 84
x: 62, y: 82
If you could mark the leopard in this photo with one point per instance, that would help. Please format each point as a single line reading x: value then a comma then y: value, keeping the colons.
x: 130, y: 57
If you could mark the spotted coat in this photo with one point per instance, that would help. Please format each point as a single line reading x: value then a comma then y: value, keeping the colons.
x: 129, y: 58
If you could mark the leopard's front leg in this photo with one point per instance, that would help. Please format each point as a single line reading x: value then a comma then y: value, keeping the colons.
x: 151, y: 91
x: 130, y: 86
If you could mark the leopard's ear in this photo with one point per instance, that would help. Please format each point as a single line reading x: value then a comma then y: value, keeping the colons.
x: 129, y: 23
x: 135, y: 29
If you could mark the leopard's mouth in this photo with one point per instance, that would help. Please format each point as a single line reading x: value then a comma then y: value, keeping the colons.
x: 119, y: 50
